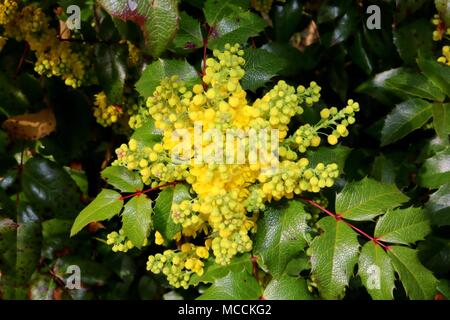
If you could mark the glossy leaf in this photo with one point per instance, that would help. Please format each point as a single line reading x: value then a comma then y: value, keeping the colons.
x: 437, y: 72
x: 419, y: 282
x: 123, y: 179
x: 282, y: 235
x: 189, y: 36
x: 287, y: 288
x: 406, y: 117
x: 137, y: 219
x: 441, y: 120
x: 334, y: 255
x: 376, y: 271
x: 439, y: 206
x: 403, y: 226
x: 327, y: 155
x: 411, y: 37
x: 436, y: 170
x: 287, y: 18
x: 105, y: 206
x: 366, y: 199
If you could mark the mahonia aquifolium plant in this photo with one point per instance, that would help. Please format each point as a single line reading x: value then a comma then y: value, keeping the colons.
x: 54, y: 57
x: 227, y: 197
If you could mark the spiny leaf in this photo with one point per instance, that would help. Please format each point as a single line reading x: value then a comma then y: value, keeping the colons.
x: 281, y: 236
x: 403, y: 226
x: 287, y: 288
x: 189, y: 36
x: 105, y: 206
x: 234, y: 286
x: 260, y: 66
x: 162, y: 68
x: 436, y: 170
x: 214, y: 271
x: 123, y: 179
x: 366, y: 199
x: 334, y: 255
x: 137, y: 219
x: 163, y: 209
x: 406, y: 117
x: 439, y: 206
x: 419, y: 282
x: 376, y: 272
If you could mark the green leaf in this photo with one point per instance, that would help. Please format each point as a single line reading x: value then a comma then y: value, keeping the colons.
x: 434, y: 252
x: 48, y: 186
x: 281, y: 236
x: 216, y: 10
x: 366, y: 199
x: 406, y: 117
x: 160, y: 69
x: 414, y: 84
x: 189, y: 36
x: 287, y: 288
x: 163, y: 209
x: 8, y: 244
x: 384, y: 170
x: 443, y: 7
x: 438, y: 73
x: 55, y: 233
x: 235, y: 29
x: 329, y: 11
x: 158, y: 20
x: 436, y: 170
x: 137, y: 219
x: 92, y: 272
x: 411, y: 37
x: 444, y: 287
x: 260, y: 66
x: 334, y: 255
x: 123, y: 179
x: 439, y: 206
x: 287, y: 18
x: 376, y: 271
x: 214, y: 271
x: 106, y: 205
x: 329, y: 155
x: 147, y: 135
x: 345, y: 27
x: 110, y: 68
x: 403, y: 226
x: 419, y: 282
x: 359, y: 55
x: 441, y: 120
x: 29, y: 243
x: 234, y: 286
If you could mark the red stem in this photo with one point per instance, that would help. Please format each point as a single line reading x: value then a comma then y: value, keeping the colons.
x: 138, y: 193
x: 338, y: 217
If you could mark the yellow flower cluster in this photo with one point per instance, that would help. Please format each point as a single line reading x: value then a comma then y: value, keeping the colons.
x: 179, y: 265
x: 119, y: 241
x: 440, y: 34
x: 134, y: 55
x: 106, y: 114
x: 228, y: 195
x: 54, y: 57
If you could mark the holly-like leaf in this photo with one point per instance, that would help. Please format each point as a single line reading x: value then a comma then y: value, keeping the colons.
x: 260, y: 66
x: 137, y: 219
x: 110, y: 67
x: 441, y: 120
x: 123, y: 179
x: 345, y: 27
x: 287, y: 288
x: 334, y: 255
x: 411, y: 37
x: 329, y: 155
x: 29, y: 242
x: 363, y: 200
x: 406, y: 117
x: 439, y: 206
x: 286, y: 19
x: 48, y: 186
x: 160, y: 69
x: 105, y: 206
x: 376, y: 271
x: 438, y: 73
x: 162, y: 219
x: 216, y: 10
x: 414, y: 84
x: 419, y: 282
x: 235, y: 29
x: 147, y: 135
x: 436, y: 170
x: 403, y: 226
x: 234, y: 286
x: 214, y: 271
x: 158, y: 20
x: 281, y: 236
x: 189, y: 36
